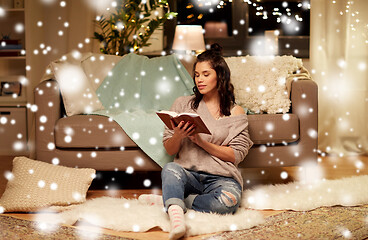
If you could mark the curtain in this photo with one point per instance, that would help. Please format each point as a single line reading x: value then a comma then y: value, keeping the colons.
x: 61, y: 27
x: 339, y: 59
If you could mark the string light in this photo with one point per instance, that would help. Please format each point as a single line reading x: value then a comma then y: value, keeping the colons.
x: 283, y: 13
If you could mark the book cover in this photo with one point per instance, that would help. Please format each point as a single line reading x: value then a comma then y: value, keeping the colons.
x: 165, y: 116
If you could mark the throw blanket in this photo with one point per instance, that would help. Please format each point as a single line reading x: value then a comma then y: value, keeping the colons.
x: 136, y: 88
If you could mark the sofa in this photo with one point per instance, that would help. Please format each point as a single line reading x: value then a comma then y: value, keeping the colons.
x: 280, y: 140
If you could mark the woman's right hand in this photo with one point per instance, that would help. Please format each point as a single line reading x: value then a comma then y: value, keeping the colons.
x: 183, y: 129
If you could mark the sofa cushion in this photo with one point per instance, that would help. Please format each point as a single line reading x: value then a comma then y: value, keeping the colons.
x: 90, y: 131
x: 94, y: 131
x: 273, y: 128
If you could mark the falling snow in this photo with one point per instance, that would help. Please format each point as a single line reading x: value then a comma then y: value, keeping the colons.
x: 309, y: 173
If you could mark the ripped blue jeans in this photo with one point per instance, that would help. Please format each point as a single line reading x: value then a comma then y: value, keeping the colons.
x: 199, y: 191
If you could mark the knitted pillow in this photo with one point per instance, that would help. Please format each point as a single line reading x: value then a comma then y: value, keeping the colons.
x: 260, y: 82
x: 35, y: 185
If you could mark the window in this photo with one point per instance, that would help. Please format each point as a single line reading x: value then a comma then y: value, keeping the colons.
x: 240, y: 25
x: 290, y: 18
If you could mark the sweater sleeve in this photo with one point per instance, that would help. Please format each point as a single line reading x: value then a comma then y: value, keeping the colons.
x: 241, y: 144
x: 175, y: 107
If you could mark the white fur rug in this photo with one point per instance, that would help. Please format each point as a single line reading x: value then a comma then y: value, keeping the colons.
x: 303, y: 197
x: 130, y: 215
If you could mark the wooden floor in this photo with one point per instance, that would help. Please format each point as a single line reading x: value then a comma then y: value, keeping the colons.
x: 328, y: 168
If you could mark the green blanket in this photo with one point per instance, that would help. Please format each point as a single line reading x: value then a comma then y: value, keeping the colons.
x: 136, y: 89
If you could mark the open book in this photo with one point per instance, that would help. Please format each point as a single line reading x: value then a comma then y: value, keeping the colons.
x: 186, y: 117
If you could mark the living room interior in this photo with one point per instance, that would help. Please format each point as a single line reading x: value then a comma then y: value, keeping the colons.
x: 322, y: 136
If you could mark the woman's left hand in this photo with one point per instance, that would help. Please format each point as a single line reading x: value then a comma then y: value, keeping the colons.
x: 195, y: 138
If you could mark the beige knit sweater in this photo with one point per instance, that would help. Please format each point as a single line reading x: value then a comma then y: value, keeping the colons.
x: 228, y: 131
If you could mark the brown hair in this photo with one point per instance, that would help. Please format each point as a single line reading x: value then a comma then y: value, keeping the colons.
x: 224, y: 86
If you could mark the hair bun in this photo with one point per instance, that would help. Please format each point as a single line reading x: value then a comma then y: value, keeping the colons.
x: 216, y: 48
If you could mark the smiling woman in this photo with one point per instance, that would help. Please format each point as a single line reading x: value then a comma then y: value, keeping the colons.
x: 205, y: 78
x: 204, y: 175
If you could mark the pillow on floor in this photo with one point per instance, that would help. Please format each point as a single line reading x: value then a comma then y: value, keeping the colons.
x: 35, y: 185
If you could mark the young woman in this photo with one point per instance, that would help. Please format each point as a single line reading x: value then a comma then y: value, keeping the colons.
x: 204, y: 175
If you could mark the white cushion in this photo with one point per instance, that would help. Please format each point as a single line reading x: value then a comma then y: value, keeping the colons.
x: 79, y: 95
x: 260, y: 82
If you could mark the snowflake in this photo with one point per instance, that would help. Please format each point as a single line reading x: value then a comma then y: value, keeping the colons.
x: 191, y: 215
x: 55, y: 161
x: 251, y: 200
x: 67, y: 139
x: 262, y: 148
x: 284, y: 175
x: 77, y: 196
x: 152, y: 140
x: 139, y: 161
x: 18, y: 146
x: 359, y: 164
x: 147, y: 183
x: 270, y: 127
x: 9, y: 175
x: 129, y: 170
x: 41, y: 184
x: 51, y: 146
x: 53, y: 186
x: 136, y: 228
x: 346, y: 233
x: 135, y: 136
x: 312, y: 133
x: 233, y: 227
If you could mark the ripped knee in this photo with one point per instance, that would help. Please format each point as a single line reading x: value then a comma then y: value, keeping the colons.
x: 175, y: 173
x: 173, y: 169
x: 228, y: 198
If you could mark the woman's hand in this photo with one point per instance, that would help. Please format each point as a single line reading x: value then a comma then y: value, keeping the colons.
x: 195, y: 138
x: 183, y: 129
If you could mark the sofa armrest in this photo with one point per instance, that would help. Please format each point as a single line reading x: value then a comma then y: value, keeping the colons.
x: 304, y: 103
x: 48, y: 101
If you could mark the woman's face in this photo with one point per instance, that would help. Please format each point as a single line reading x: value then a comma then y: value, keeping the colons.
x: 205, y: 78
